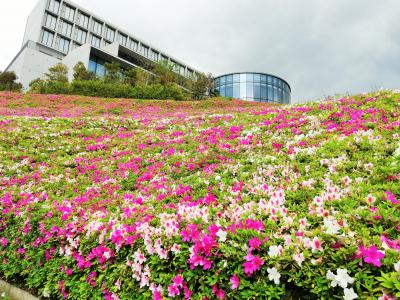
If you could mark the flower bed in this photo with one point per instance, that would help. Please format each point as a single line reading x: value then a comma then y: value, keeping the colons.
x: 122, y: 199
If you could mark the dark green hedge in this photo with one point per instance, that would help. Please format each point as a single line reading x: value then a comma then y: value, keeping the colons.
x: 99, y: 88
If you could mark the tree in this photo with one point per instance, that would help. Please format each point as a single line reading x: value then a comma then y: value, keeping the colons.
x: 164, y: 73
x: 142, y: 77
x: 113, y: 73
x: 37, y: 86
x: 8, y: 82
x: 57, y: 73
x: 202, y: 86
x: 130, y: 76
x: 81, y: 73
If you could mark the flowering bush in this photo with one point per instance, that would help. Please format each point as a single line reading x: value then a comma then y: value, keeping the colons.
x: 121, y: 199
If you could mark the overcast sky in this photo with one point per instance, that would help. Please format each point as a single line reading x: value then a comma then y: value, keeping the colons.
x: 321, y: 47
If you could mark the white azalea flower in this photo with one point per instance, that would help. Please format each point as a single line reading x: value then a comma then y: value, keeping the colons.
x: 274, y: 251
x: 273, y: 275
x: 332, y: 226
x: 221, y: 235
x: 299, y: 258
x: 46, y: 292
x: 342, y: 279
x: 397, y: 266
x: 349, y: 294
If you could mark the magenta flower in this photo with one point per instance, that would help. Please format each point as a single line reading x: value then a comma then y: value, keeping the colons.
x: 371, y: 255
x: 235, y: 282
x: 3, y: 242
x: 254, y: 243
x: 252, y: 264
x: 391, y: 197
x: 219, y: 293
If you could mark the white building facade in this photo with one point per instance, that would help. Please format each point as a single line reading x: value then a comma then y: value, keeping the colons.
x: 59, y: 31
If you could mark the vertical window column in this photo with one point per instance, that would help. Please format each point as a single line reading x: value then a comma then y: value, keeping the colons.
x: 47, y: 38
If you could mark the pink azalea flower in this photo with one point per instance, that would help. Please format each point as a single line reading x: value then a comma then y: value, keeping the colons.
x: 252, y: 264
x: 235, y: 282
x: 254, y: 243
x: 219, y: 293
x: 3, y: 242
x: 391, y: 197
x: 387, y: 297
x: 371, y: 255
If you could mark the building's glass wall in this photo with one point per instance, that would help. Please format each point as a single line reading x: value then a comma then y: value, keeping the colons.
x: 96, y: 66
x: 253, y: 87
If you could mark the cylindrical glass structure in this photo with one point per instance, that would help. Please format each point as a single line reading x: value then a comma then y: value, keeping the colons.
x: 260, y: 87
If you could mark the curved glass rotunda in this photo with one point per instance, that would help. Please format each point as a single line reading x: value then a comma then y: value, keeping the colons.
x: 260, y: 87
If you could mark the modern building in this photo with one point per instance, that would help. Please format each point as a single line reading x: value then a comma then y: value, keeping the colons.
x: 59, y: 31
x: 259, y: 87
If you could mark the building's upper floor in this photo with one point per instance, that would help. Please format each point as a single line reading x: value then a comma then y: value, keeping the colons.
x: 65, y: 26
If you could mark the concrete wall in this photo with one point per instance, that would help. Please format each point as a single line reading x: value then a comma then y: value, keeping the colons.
x: 31, y: 64
x: 112, y: 48
x: 34, y: 22
x: 82, y: 54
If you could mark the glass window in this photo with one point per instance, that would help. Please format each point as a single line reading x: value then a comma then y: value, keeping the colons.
x: 83, y: 20
x: 269, y: 79
x: 164, y: 58
x: 69, y: 12
x: 216, y: 81
x: 97, y: 27
x: 190, y: 73
x: 276, y: 98
x: 242, y: 87
x: 236, y: 90
x: 134, y: 45
x: 263, y: 91
x: 229, y: 79
x: 66, y: 29
x: 229, y: 91
x: 154, y: 55
x: 182, y: 70
x: 47, y: 38
x: 222, y: 91
x: 92, y: 66
x: 63, y: 45
x: 54, y: 6
x: 81, y: 35
x: 100, y: 70
x: 264, y: 78
x: 95, y: 41
x: 110, y: 34
x: 257, y: 77
x: 236, y: 77
x: 223, y: 80
x: 145, y: 50
x: 280, y: 95
x: 96, y: 66
x: 270, y: 92
x: 51, y: 21
x: 122, y: 39
x: 249, y: 90
x: 249, y: 77
x: 257, y: 91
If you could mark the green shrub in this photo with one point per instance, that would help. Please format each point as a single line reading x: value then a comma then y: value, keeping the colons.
x: 8, y: 82
x: 99, y: 88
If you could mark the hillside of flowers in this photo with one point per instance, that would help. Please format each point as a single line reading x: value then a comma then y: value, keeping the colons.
x: 215, y: 199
